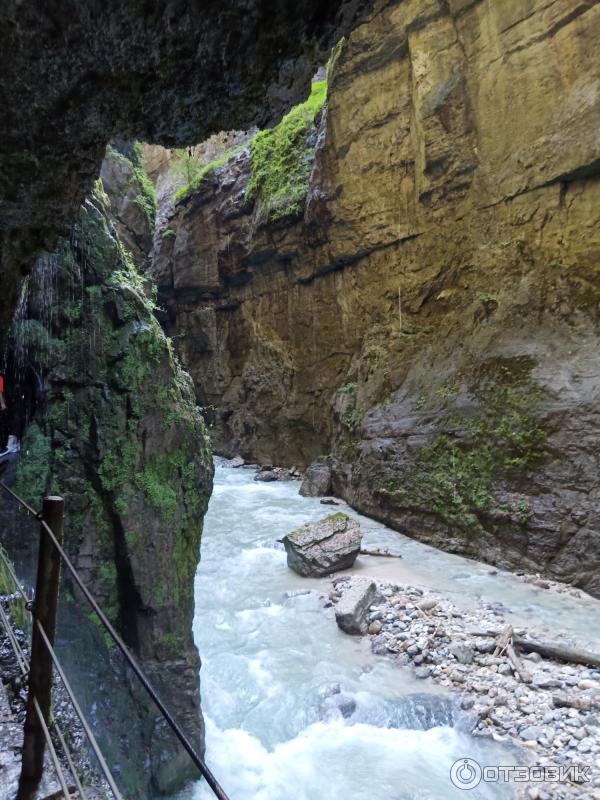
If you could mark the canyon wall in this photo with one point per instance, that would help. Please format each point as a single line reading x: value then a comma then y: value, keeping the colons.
x: 111, y: 424
x: 427, y: 321
x: 74, y: 76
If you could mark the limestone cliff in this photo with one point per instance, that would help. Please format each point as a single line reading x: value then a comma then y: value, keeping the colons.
x: 427, y: 320
x: 112, y: 426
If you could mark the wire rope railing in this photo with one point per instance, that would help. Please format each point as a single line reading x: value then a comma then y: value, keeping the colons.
x: 43, y: 634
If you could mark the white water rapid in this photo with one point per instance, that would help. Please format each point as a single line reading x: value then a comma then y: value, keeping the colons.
x: 297, y: 710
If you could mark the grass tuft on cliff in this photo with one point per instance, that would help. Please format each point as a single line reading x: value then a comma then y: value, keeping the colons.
x: 281, y: 159
x: 205, y: 171
x: 145, y: 198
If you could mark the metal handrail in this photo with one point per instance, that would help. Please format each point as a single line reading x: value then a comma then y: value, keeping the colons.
x: 22, y: 664
x: 218, y: 791
x: 84, y: 723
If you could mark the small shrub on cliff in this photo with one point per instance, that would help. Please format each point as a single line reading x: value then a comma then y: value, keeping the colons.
x: 282, y: 159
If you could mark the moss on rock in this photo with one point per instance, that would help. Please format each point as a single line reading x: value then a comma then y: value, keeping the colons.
x: 281, y: 159
x: 499, y: 440
x: 118, y: 433
x: 33, y: 469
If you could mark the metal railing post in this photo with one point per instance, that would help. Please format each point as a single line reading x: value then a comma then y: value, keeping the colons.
x: 40, y: 672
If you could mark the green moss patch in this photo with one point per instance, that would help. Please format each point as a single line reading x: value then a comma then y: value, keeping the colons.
x: 33, y: 468
x: 16, y: 607
x: 453, y: 476
x: 204, y: 172
x: 281, y: 159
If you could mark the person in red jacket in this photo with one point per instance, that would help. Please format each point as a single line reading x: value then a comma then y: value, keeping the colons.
x: 2, y: 400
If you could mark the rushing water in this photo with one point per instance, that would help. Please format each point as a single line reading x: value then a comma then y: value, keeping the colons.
x: 297, y: 710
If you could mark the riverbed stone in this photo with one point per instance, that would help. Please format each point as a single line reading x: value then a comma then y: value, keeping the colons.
x: 317, y: 480
x: 544, y: 681
x: 461, y: 652
x: 422, y: 672
x: 351, y: 610
x: 266, y: 474
x: 320, y: 548
x: 531, y: 733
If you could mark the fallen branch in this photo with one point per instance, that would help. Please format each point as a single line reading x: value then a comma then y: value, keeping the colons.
x: 581, y: 702
x: 383, y: 553
x: 503, y: 640
x: 517, y: 665
x: 504, y: 644
x: 557, y: 651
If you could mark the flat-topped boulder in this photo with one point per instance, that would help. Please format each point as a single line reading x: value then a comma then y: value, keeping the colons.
x: 320, y: 548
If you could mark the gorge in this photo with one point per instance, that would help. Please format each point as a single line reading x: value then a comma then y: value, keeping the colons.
x: 389, y: 274
x: 425, y: 319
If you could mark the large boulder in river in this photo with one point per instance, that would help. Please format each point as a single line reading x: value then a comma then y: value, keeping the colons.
x: 317, y: 480
x: 320, y: 548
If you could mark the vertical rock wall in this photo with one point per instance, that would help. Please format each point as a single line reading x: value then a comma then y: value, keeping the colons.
x: 429, y: 321
x: 114, y: 428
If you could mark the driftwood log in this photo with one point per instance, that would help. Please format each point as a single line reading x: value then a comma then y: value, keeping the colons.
x: 581, y: 702
x: 557, y: 651
x: 383, y: 553
x: 553, y: 650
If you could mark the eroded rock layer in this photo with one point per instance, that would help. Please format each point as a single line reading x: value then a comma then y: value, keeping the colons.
x: 429, y: 323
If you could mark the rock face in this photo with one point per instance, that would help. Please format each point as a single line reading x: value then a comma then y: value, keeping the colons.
x: 74, y: 76
x: 116, y: 431
x: 132, y: 198
x: 320, y: 548
x: 430, y: 316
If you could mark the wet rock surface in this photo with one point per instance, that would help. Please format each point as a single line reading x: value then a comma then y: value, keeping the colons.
x: 117, y: 433
x: 555, y: 715
x: 320, y: 548
x: 268, y: 473
x: 316, y: 481
x: 430, y: 319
